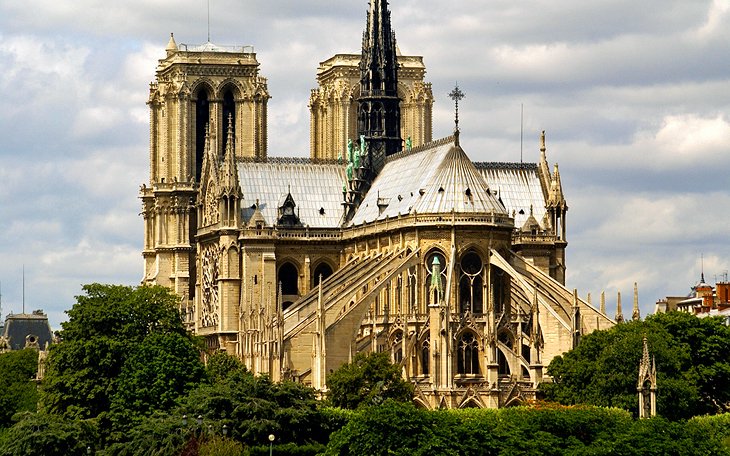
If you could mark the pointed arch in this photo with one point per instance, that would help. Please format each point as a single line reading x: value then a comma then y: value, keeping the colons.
x: 202, y: 92
x: 322, y: 268
x: 467, y: 354
x: 288, y: 277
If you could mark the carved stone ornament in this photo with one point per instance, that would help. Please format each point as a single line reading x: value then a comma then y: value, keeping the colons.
x: 209, y: 302
x: 211, y: 213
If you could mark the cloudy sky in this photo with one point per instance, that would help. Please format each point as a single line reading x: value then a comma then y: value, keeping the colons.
x: 634, y: 96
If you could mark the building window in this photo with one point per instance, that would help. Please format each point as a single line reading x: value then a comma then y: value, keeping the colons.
x: 425, y: 357
x: 289, y: 279
x: 324, y: 270
x: 471, y: 290
x: 397, y: 347
x: 435, y: 277
x: 202, y: 118
x: 229, y: 113
x: 467, y: 357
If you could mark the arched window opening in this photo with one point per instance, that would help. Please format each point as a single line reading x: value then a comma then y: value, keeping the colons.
x: 467, y: 357
x: 526, y: 352
x: 425, y: 357
x: 499, y: 294
x: 503, y: 365
x: 229, y: 110
x: 435, y: 277
x: 412, y: 304
x: 471, y: 293
x: 289, y: 279
x: 324, y: 270
x: 397, y: 347
x: 202, y: 118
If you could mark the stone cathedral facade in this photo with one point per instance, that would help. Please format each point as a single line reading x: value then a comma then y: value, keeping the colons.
x: 383, y: 240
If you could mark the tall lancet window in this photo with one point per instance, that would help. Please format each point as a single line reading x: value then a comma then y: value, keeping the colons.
x: 435, y: 277
x: 471, y: 291
x: 467, y: 355
x: 229, y: 110
x: 202, y: 118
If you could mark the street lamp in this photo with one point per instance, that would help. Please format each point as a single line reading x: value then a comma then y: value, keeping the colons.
x: 271, y: 444
x: 199, y: 420
x: 225, y: 430
x: 185, y: 421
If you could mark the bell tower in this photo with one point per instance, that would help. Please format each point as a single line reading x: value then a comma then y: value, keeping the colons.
x: 196, y: 89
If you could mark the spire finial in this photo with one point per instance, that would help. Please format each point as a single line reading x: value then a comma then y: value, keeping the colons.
x: 542, y: 142
x: 456, y: 95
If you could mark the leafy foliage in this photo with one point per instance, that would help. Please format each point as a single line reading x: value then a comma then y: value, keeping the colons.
x: 49, y: 435
x: 18, y: 392
x: 548, y: 429
x: 124, y: 353
x: 691, y: 362
x: 368, y: 380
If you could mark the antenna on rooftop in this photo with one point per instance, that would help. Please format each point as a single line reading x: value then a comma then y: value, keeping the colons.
x: 1, y: 300
x: 24, y: 289
x: 209, y: 21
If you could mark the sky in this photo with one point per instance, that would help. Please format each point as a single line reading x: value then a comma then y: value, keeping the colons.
x: 634, y: 98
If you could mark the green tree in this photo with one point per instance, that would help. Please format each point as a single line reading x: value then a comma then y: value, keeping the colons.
x: 368, y: 380
x: 691, y: 363
x: 124, y: 350
x: 49, y: 435
x: 18, y: 391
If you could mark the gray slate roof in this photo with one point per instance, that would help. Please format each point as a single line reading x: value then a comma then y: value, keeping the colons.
x: 20, y: 326
x: 518, y: 186
x: 437, y: 178
x: 314, y: 185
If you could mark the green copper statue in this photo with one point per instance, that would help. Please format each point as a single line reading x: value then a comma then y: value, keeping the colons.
x: 350, y: 148
x: 363, y: 145
x: 409, y: 144
x: 349, y: 172
x: 357, y: 160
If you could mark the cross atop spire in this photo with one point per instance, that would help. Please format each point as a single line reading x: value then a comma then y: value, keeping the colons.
x: 456, y: 95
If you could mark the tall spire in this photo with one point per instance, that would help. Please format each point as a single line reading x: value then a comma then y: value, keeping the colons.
x: 619, y: 312
x: 636, y: 314
x: 379, y: 109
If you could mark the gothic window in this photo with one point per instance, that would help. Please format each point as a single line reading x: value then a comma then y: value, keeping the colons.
x: 425, y: 357
x: 502, y: 363
x: 467, y: 356
x: 435, y: 277
x: 324, y: 270
x: 229, y: 109
x: 471, y: 294
x: 202, y: 118
x: 398, y: 347
x: 499, y: 289
x: 289, y: 279
x: 411, y: 291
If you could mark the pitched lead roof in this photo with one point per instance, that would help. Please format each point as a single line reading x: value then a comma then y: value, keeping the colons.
x: 435, y: 179
x: 518, y: 186
x: 316, y: 188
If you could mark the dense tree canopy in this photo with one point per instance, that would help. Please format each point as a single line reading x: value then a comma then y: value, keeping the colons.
x: 18, y: 391
x: 368, y: 380
x: 544, y: 430
x: 691, y: 359
x: 124, y: 350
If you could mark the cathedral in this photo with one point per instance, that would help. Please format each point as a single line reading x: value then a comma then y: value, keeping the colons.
x: 384, y: 240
